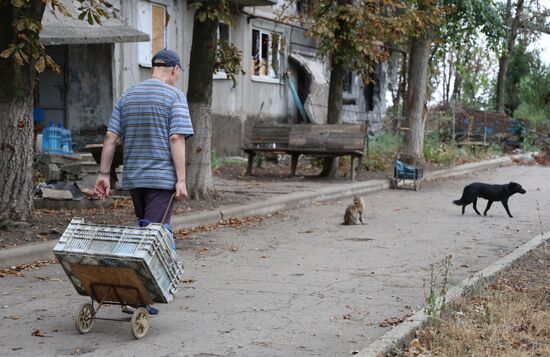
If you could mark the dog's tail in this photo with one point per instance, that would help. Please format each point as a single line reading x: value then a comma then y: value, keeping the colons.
x: 458, y: 202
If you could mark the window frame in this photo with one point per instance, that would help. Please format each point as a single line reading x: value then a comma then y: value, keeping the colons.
x: 145, y: 49
x: 267, y: 77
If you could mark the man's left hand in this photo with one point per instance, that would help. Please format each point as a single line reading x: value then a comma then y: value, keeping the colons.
x: 181, y: 191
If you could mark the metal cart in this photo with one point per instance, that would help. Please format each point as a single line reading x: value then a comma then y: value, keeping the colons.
x: 117, y: 265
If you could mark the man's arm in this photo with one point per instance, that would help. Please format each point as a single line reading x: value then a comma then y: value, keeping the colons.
x: 177, y: 148
x: 103, y: 183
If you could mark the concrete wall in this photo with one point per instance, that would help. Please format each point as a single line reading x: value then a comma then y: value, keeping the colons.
x: 89, y: 92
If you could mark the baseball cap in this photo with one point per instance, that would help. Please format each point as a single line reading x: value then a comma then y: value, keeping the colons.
x: 165, y: 58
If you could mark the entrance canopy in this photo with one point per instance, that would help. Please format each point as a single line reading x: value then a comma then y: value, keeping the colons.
x: 58, y: 29
x: 315, y: 104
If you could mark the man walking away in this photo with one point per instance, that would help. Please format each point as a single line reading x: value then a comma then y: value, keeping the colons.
x: 152, y: 118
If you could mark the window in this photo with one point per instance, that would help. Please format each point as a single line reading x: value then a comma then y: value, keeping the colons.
x: 222, y: 35
x: 266, y: 47
x: 348, y: 82
x: 152, y: 21
x: 304, y: 7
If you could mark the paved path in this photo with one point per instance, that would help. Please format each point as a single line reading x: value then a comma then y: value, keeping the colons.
x: 296, y: 284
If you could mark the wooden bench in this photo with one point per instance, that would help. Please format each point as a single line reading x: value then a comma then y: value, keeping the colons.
x: 330, y: 140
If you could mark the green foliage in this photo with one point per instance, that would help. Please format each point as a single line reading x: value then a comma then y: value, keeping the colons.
x: 383, y: 149
x: 228, y: 56
x: 520, y: 63
x: 228, y: 59
x: 212, y: 10
x: 215, y: 161
x: 438, y: 286
x: 534, y: 96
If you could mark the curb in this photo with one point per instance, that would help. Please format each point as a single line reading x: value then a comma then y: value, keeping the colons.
x: 42, y: 251
x: 405, y: 331
x: 26, y: 254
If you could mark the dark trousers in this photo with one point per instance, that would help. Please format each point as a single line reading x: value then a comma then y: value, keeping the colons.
x: 150, y: 204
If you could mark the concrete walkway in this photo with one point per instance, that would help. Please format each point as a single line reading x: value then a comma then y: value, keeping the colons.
x: 261, y: 198
x: 297, y: 283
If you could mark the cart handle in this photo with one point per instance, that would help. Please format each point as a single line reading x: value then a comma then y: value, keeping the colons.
x: 168, y: 207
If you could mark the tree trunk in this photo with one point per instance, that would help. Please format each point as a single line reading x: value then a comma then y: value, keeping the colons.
x: 203, y: 55
x: 336, y: 90
x: 501, y: 81
x: 16, y: 121
x: 16, y: 158
x: 504, y: 60
x: 416, y: 96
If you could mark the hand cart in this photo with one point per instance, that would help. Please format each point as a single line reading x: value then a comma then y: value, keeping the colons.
x: 407, y: 176
x: 118, y: 265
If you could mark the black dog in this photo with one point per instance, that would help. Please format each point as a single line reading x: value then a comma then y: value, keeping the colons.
x: 491, y: 193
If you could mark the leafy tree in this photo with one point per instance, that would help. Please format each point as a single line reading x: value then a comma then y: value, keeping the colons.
x: 22, y: 55
x: 520, y: 65
x: 455, y: 22
x: 534, y: 95
x: 352, y: 35
x: 525, y: 20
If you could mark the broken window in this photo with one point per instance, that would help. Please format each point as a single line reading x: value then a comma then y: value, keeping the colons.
x: 152, y: 21
x: 222, y: 36
x: 265, y: 54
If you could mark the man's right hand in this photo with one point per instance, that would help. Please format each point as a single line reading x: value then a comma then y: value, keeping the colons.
x: 102, y: 186
x: 181, y: 190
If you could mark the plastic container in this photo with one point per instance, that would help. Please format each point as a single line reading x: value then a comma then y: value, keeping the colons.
x: 66, y: 146
x: 49, y: 144
x: 147, y: 251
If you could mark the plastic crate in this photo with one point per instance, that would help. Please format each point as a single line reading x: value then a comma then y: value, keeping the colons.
x: 147, y: 251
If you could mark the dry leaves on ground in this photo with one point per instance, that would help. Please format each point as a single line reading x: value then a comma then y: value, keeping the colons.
x: 394, y: 321
x: 232, y: 222
x: 18, y: 269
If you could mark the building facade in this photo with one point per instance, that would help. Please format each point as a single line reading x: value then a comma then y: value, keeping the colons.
x: 100, y: 62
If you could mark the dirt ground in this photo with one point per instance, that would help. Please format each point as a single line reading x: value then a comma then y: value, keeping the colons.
x: 509, y: 318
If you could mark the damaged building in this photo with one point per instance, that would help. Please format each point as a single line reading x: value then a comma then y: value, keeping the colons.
x: 100, y: 62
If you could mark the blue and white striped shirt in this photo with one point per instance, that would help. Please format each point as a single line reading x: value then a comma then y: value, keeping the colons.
x: 145, y: 117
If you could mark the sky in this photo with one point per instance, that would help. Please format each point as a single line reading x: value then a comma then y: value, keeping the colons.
x: 544, y: 45
x: 544, y: 41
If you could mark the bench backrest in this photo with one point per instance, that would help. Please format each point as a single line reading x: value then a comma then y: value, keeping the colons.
x: 264, y: 135
x: 328, y: 137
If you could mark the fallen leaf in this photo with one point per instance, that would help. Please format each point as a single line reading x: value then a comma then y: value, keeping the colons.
x: 43, y: 278
x: 188, y: 281
x: 16, y: 348
x: 38, y: 333
x: 14, y: 317
x: 264, y: 256
x: 464, y: 266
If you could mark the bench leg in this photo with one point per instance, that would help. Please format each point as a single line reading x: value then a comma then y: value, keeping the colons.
x: 293, y: 164
x: 352, y: 173
x: 250, y: 163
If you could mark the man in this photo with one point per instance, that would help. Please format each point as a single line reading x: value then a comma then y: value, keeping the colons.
x: 152, y: 118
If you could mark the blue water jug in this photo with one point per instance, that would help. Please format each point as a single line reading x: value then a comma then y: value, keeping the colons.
x: 66, y: 146
x: 47, y: 138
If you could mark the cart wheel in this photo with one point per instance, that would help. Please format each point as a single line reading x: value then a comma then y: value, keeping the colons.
x: 140, y: 323
x: 84, y: 319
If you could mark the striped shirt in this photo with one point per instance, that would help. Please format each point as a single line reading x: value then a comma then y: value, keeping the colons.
x: 145, y: 117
